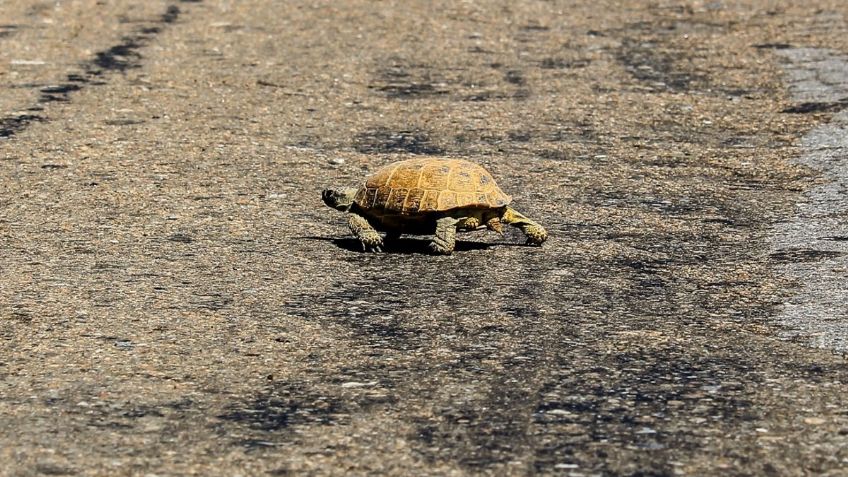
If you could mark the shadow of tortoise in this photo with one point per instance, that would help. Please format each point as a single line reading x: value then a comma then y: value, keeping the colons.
x: 409, y: 245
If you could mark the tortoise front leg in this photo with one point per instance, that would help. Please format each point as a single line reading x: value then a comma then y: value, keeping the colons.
x: 365, y: 233
x: 445, y: 239
x: 536, y: 234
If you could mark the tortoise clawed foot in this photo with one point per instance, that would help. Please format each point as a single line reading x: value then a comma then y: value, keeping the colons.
x: 535, y: 235
x: 440, y: 249
x: 495, y: 225
x: 372, y: 243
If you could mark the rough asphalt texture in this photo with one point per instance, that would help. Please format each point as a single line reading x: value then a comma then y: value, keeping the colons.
x: 818, y: 79
x: 176, y: 300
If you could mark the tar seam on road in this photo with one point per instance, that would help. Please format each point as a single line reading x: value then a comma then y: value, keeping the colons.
x: 121, y: 57
x: 816, y: 238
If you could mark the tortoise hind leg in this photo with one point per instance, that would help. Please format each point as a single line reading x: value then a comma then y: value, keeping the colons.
x: 365, y: 233
x: 445, y: 239
x: 536, y: 234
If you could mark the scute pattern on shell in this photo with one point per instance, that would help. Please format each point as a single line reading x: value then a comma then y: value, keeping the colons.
x: 430, y: 185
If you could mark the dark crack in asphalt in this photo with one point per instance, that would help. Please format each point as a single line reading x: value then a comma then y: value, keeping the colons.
x: 118, y: 58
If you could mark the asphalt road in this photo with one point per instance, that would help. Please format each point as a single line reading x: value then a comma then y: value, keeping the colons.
x: 176, y: 300
x: 818, y: 310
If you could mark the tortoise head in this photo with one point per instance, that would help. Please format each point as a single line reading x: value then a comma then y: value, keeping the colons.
x: 339, y: 199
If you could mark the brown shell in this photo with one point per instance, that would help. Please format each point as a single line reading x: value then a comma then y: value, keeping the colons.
x: 430, y: 185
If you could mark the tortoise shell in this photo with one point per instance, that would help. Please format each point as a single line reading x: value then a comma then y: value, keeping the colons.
x: 419, y: 186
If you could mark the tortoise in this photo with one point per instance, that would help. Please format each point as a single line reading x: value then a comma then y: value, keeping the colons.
x: 426, y: 196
